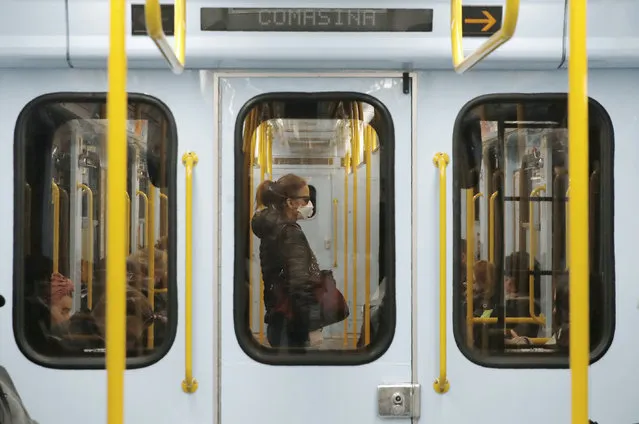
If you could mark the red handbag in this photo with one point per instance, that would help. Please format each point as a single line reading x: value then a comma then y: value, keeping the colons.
x: 332, y: 305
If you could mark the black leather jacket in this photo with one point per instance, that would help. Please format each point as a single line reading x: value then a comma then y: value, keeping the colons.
x: 287, y: 262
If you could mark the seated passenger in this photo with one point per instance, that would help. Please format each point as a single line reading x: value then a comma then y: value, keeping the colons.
x: 60, y: 302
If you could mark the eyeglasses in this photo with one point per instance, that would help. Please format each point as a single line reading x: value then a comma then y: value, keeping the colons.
x: 305, y: 199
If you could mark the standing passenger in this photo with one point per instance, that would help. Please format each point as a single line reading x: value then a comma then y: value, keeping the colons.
x: 289, y: 267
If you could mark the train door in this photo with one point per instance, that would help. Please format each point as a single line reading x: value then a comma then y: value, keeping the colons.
x: 350, y: 140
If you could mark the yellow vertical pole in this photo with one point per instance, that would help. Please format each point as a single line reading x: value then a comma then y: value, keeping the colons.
x: 578, y: 210
x: 251, y: 134
x: 262, y: 154
x: 368, y: 135
x: 347, y: 167
x: 355, y: 164
x: 116, y: 185
x: 470, y: 263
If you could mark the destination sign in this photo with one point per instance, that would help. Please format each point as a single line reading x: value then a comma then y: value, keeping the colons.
x: 315, y: 20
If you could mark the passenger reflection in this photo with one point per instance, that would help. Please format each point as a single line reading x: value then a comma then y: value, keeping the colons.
x: 289, y: 267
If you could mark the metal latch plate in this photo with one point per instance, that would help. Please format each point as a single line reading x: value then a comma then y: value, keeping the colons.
x: 398, y: 400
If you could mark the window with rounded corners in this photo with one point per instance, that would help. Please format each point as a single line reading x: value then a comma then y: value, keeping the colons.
x: 60, y: 230
x: 510, y: 276
x: 282, y: 314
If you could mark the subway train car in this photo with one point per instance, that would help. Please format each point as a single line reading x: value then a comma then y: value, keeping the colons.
x: 359, y: 99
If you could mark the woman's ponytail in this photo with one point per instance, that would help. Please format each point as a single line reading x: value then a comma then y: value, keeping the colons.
x: 265, y: 197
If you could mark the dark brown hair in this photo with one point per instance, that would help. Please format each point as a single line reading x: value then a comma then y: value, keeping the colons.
x: 274, y: 193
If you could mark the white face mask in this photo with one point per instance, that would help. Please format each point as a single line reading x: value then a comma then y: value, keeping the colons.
x: 306, y: 211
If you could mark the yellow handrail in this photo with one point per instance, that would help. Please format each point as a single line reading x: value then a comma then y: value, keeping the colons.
x: 145, y: 200
x: 347, y: 167
x: 150, y: 230
x: 250, y: 137
x: 533, y: 254
x: 441, y: 384
x: 492, y: 226
x: 368, y: 136
x: 86, y: 189
x: 128, y: 222
x: 461, y: 63
x: 470, y: 263
x: 189, y: 385
x: 116, y: 184
x: 355, y: 134
x: 262, y: 158
x: 578, y: 210
x: 335, y: 233
x: 153, y: 15
x: 55, y: 194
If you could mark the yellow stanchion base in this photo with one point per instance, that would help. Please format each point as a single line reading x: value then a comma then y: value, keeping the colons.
x: 441, y: 388
x: 189, y: 386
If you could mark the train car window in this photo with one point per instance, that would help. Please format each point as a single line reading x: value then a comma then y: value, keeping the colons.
x: 60, y: 229
x: 287, y: 310
x: 511, y: 259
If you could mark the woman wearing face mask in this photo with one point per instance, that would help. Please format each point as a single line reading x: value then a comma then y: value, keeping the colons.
x: 289, y: 267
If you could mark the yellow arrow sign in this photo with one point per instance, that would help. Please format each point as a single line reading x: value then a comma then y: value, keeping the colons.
x: 489, y: 21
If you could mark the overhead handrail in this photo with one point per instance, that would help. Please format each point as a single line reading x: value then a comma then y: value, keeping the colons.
x: 117, y: 111
x: 87, y: 190
x: 55, y: 195
x: 153, y: 15
x: 441, y: 384
x: 507, y: 30
x: 578, y: 230
x: 128, y: 222
x: 492, y: 227
x: 189, y: 385
x: 335, y: 224
x: 368, y: 142
x: 347, y: 168
x: 355, y: 135
x: 150, y: 238
x: 533, y: 252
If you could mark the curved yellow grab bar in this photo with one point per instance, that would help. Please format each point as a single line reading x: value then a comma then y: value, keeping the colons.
x: 578, y: 231
x: 153, y: 15
x: 441, y: 384
x: 189, y: 385
x: 116, y: 177
x: 55, y: 195
x: 492, y: 226
x: 85, y: 189
x: 532, y: 254
x: 463, y: 64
